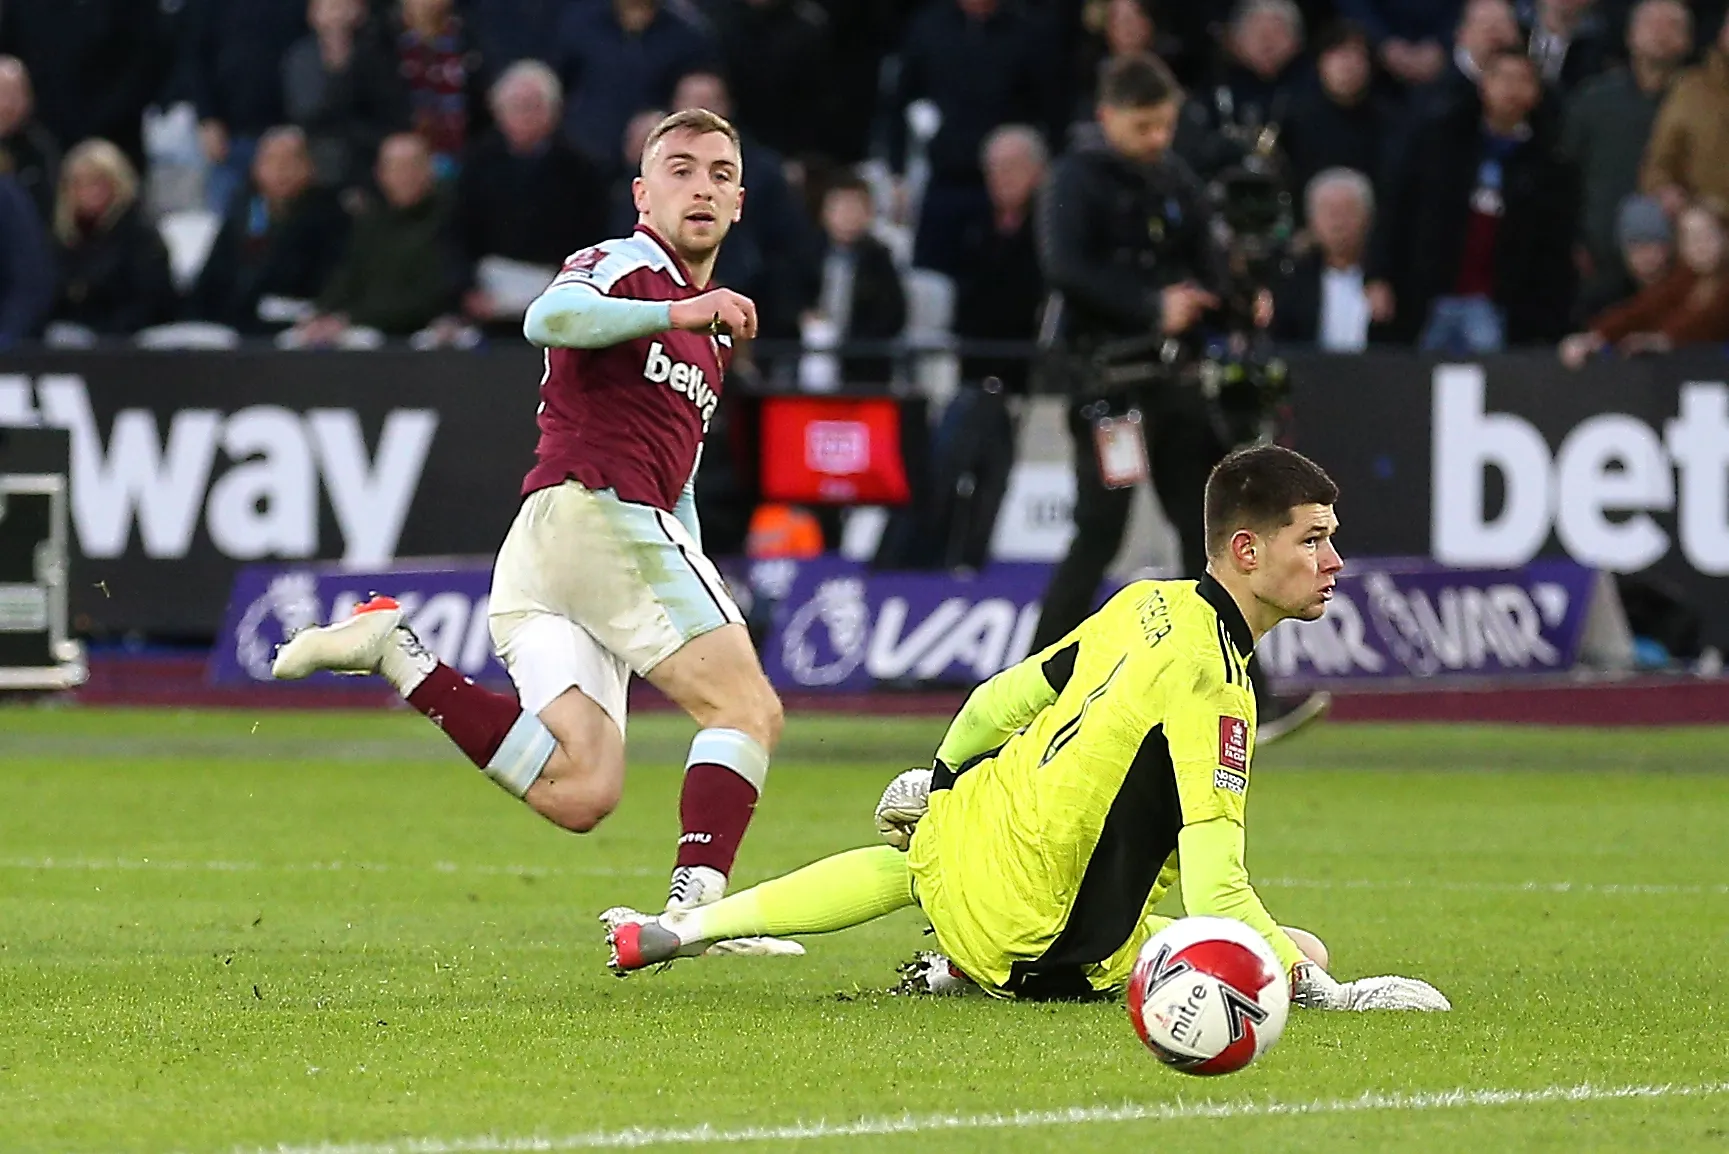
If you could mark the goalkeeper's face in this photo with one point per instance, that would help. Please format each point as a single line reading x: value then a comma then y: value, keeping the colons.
x: 1297, y: 566
x: 691, y: 191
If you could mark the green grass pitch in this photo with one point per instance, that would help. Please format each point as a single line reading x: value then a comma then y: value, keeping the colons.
x: 298, y: 932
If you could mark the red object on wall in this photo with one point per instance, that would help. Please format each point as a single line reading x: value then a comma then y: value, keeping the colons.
x: 833, y: 451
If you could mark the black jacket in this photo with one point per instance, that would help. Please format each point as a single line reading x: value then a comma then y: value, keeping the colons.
x: 1320, y: 134
x: 998, y: 296
x: 95, y: 65
x: 1112, y: 234
x: 231, y: 60
x: 979, y: 74
x: 779, y: 60
x: 879, y: 310
x: 1421, y: 225
x: 537, y: 209
x: 293, y: 256
x: 115, y: 282
x: 1297, y: 304
x: 32, y: 155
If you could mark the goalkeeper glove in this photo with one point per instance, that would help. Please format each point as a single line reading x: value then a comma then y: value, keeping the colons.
x: 903, y: 803
x: 1313, y: 988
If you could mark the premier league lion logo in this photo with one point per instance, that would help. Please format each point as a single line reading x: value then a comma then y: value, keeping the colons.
x: 829, y: 654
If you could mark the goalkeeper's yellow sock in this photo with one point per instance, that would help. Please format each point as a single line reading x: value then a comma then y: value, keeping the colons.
x: 847, y: 889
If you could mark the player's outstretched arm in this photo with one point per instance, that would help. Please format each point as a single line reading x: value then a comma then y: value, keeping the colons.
x: 1215, y: 882
x: 576, y: 315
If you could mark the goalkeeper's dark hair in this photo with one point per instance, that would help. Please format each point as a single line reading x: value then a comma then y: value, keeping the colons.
x: 1139, y: 80
x: 1256, y: 488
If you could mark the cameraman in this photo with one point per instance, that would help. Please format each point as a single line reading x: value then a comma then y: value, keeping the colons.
x: 1125, y: 236
x: 1129, y: 243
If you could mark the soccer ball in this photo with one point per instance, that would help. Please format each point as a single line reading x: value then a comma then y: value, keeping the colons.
x: 1208, y: 996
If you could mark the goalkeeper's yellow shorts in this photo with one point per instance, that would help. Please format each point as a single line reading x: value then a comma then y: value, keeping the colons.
x: 990, y: 895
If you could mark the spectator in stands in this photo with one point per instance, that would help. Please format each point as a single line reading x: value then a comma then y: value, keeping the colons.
x: 1646, y: 252
x: 617, y: 58
x: 1688, y: 156
x: 1473, y: 245
x: 1486, y: 29
x: 27, y: 150
x: 278, y: 246
x: 1410, y: 36
x: 1689, y: 306
x: 341, y: 85
x: 231, y: 68
x: 778, y: 56
x: 1338, y: 121
x: 1568, y: 42
x: 397, y: 274
x: 1609, y: 124
x: 1124, y: 28
x: 1323, y: 300
x: 26, y: 265
x: 860, y: 297
x: 443, y: 71
x: 1001, y: 290
x: 511, y: 30
x: 621, y: 202
x: 770, y: 254
x: 981, y: 63
x: 1255, y: 85
x: 113, y: 267
x: 96, y: 65
x: 526, y: 199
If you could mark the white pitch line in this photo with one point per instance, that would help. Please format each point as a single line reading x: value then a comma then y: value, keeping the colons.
x: 534, y: 871
x: 637, y: 1138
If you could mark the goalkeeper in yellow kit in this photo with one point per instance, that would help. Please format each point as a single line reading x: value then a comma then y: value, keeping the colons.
x: 1076, y: 788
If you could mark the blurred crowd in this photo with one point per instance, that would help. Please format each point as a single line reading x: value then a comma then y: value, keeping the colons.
x: 1466, y: 176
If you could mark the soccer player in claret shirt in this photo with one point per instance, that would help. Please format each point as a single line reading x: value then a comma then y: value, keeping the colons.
x: 1076, y: 788
x: 602, y: 573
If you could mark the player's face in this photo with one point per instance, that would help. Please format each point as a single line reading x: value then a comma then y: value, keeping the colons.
x: 1140, y: 134
x: 690, y: 190
x: 1301, y: 566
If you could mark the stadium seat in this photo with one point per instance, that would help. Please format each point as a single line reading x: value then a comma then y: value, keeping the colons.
x: 188, y: 335
x: 930, y: 312
x: 189, y: 236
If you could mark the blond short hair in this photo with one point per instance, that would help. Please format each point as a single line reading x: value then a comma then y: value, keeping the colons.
x: 107, y: 159
x: 698, y: 120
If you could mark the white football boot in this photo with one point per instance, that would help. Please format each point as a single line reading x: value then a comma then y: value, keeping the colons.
x: 353, y: 647
x: 692, y: 886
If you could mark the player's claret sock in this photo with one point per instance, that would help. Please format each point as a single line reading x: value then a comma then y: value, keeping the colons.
x: 723, y: 777
x: 508, y: 745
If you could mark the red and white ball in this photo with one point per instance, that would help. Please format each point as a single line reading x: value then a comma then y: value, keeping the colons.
x: 1208, y: 996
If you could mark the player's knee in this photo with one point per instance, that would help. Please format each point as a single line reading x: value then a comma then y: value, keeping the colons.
x: 580, y: 810
x: 1313, y: 947
x: 771, y: 718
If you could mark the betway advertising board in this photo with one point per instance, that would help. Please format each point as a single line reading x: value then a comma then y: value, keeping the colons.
x: 836, y: 626
x: 1622, y: 466
x: 187, y: 465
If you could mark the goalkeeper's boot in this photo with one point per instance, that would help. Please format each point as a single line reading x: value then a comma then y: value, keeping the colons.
x: 638, y: 940
x: 354, y: 647
x: 931, y: 973
x: 694, y: 886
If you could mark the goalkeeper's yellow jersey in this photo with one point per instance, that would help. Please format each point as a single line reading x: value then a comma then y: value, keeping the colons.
x: 1071, y: 787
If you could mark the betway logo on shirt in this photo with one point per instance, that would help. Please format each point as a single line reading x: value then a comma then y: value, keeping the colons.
x: 683, y: 378
x: 259, y: 498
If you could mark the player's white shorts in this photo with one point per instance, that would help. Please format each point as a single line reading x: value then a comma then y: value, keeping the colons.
x: 588, y: 588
